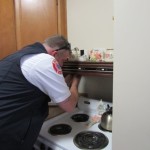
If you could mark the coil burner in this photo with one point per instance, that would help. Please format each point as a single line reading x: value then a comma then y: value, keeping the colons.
x: 80, y: 117
x: 60, y: 129
x: 91, y: 140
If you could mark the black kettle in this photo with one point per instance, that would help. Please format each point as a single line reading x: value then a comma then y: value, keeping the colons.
x: 106, y: 120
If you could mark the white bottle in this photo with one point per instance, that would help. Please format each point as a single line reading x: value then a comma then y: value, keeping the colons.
x: 101, y: 108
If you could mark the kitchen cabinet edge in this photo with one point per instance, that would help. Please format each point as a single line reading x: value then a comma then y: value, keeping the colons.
x: 104, y: 69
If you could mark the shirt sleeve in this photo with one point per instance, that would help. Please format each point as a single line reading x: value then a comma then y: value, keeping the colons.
x: 43, y: 71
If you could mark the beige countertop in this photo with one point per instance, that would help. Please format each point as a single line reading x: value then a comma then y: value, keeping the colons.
x: 54, y: 111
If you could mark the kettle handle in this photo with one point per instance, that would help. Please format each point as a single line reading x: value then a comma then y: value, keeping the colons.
x: 109, y: 108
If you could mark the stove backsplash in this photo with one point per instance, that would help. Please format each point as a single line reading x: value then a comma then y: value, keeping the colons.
x: 97, y: 87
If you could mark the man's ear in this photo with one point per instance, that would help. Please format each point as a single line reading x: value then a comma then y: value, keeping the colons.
x: 54, y: 53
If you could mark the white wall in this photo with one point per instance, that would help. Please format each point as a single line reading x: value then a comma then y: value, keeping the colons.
x: 131, y: 83
x: 90, y: 25
x: 131, y: 96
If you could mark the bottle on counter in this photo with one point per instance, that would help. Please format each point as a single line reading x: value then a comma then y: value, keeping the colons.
x: 101, y: 107
x: 75, y: 54
x: 108, y: 55
x: 83, y: 56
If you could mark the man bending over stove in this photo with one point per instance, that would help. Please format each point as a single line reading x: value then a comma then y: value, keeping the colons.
x: 29, y: 79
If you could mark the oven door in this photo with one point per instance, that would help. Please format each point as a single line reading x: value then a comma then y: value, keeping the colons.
x: 42, y: 144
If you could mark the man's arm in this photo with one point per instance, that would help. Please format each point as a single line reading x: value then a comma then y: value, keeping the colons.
x: 70, y: 103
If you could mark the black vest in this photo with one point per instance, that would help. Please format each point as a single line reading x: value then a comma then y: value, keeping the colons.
x: 23, y: 107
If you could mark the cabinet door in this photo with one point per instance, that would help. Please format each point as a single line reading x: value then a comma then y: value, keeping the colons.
x: 62, y: 17
x: 35, y: 20
x: 7, y: 28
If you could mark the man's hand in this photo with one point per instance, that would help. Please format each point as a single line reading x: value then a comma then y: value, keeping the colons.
x: 68, y: 79
x: 72, y: 79
x: 76, y: 79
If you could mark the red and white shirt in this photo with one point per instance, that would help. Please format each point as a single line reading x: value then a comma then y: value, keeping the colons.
x: 44, y: 72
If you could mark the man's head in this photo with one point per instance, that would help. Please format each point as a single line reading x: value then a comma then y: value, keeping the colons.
x: 59, y: 47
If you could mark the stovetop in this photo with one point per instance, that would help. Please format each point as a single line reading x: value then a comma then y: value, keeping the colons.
x: 65, y: 142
